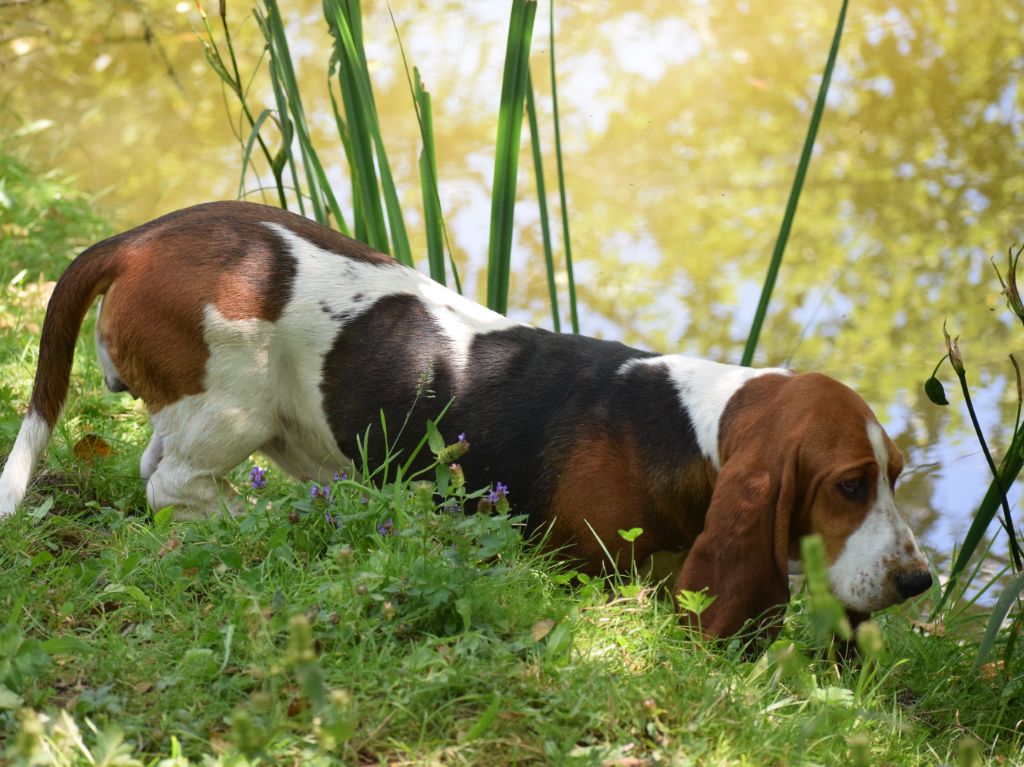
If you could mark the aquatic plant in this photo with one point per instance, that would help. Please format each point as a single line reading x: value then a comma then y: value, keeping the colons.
x: 995, y: 498
x: 376, y: 216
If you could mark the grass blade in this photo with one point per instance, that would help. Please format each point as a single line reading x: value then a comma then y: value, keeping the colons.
x: 794, y: 194
x: 567, y: 242
x: 542, y: 202
x: 1010, y: 594
x: 506, y: 156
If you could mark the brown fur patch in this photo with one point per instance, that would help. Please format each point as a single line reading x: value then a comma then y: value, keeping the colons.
x: 800, y: 434
x: 605, y: 485
x: 828, y: 422
x: 220, y: 255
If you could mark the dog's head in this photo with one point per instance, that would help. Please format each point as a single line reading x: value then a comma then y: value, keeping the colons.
x: 800, y: 455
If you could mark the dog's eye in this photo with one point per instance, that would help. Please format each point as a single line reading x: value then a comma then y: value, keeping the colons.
x: 852, y: 489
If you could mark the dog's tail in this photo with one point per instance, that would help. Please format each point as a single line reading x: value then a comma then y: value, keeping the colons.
x: 89, y: 275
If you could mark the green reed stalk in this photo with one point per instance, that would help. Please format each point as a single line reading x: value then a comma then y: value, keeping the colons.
x: 1009, y: 468
x: 254, y: 136
x: 997, y: 483
x: 573, y: 315
x: 358, y: 214
x: 432, y: 212
x: 344, y: 19
x: 370, y: 225
x: 428, y: 181
x: 506, y: 157
x: 1002, y: 478
x: 286, y: 91
x: 284, y: 156
x: 794, y: 194
x: 233, y: 80
x: 542, y: 202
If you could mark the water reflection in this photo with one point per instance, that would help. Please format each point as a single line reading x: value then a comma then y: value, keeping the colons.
x: 682, y: 124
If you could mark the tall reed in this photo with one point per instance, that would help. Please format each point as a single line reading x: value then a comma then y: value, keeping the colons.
x: 794, y: 194
x: 506, y: 156
x: 1012, y: 463
x: 995, y: 498
x: 377, y: 216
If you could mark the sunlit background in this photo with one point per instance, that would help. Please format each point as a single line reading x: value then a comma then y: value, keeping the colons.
x: 681, y: 123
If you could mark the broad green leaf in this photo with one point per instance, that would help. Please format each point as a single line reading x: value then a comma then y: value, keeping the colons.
x: 9, y: 700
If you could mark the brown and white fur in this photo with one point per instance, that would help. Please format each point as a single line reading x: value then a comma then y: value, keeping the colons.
x: 247, y: 328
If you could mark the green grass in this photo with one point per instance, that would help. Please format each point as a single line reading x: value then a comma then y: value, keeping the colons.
x: 278, y: 637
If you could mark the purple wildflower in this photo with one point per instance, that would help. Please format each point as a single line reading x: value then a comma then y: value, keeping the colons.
x: 316, y: 492
x: 462, y: 437
x: 364, y: 500
x: 340, y: 476
x: 258, y: 477
x: 387, y: 528
x: 500, y: 491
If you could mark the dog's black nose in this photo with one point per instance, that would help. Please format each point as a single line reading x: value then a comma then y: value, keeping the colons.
x: 911, y: 584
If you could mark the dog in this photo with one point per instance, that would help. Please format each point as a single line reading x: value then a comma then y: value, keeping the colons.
x: 246, y: 328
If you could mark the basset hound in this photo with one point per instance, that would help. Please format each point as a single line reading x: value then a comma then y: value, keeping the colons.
x: 245, y: 328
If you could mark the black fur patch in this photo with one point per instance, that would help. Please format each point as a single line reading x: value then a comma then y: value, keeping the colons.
x: 391, y: 358
x: 526, y: 394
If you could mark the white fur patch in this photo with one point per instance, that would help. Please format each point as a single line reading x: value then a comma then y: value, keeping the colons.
x: 882, y: 545
x: 263, y: 379
x: 31, y: 441
x: 262, y: 391
x: 325, y: 279
x: 704, y: 388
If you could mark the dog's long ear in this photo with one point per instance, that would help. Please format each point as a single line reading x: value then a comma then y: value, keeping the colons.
x: 741, y: 557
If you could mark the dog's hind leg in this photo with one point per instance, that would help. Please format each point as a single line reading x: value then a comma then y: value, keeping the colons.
x: 196, y: 442
x: 151, y: 456
x: 191, y: 492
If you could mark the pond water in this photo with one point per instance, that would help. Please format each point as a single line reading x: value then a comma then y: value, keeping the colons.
x: 682, y: 124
